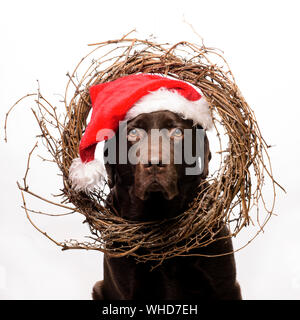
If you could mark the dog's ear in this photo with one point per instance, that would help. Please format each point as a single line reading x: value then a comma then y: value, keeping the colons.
x: 207, y: 155
x: 110, y: 170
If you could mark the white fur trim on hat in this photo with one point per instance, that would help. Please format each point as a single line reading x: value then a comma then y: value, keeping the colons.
x: 87, y: 176
x: 171, y: 100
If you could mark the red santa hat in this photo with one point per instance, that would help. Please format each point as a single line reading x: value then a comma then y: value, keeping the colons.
x: 124, y: 99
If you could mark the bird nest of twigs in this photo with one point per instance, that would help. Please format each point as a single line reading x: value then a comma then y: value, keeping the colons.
x: 232, y: 191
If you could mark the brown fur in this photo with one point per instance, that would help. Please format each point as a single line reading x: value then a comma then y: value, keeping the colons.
x: 155, y: 191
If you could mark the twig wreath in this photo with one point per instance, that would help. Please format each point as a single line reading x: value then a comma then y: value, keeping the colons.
x: 231, y: 192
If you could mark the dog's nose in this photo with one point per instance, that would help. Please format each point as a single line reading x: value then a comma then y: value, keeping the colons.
x: 153, y: 164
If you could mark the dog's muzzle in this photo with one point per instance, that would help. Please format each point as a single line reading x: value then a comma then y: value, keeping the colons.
x: 156, y: 178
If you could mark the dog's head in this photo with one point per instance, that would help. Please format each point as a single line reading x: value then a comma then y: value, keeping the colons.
x: 155, y: 183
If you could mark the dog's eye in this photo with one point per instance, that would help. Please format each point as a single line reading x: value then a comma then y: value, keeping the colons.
x: 133, y: 134
x: 177, y: 132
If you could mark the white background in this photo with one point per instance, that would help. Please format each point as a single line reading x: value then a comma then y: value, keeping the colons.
x: 45, y: 39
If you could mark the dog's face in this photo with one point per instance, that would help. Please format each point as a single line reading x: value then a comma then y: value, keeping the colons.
x: 156, y: 185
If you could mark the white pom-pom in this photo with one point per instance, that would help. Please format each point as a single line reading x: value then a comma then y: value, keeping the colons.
x: 87, y: 176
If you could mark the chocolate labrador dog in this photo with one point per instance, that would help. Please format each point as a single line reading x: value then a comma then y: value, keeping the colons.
x: 153, y: 190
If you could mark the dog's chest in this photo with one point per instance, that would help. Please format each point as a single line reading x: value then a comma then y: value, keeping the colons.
x: 176, y: 278
x: 182, y: 278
